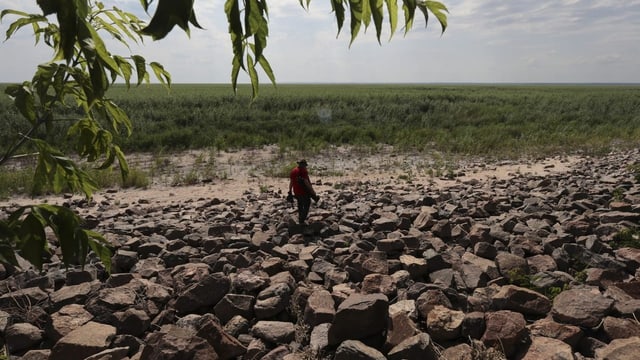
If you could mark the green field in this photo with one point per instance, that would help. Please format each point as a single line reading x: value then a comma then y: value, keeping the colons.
x: 488, y: 120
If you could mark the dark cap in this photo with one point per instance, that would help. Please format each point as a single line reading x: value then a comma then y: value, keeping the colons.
x: 302, y: 162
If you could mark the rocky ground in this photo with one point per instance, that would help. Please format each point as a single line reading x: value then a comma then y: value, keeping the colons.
x: 486, y: 264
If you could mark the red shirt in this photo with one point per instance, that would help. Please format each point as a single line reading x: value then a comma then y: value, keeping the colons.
x: 296, y: 173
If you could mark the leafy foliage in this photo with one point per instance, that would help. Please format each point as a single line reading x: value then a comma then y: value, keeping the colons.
x: 70, y: 89
x: 24, y: 231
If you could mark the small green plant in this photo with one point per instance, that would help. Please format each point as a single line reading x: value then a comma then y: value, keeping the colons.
x: 629, y: 237
x: 280, y: 170
x: 190, y: 178
x: 518, y: 277
x: 554, y: 291
x: 17, y: 181
x: 136, y: 179
x: 581, y: 276
x: 618, y: 194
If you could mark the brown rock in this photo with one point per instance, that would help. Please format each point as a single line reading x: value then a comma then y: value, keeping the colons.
x: 458, y: 352
x: 582, y: 307
x: 226, y: 346
x: 401, y: 327
x: 358, y: 317
x: 67, y: 319
x: 620, y: 349
x: 320, y: 308
x: 89, y: 339
x: 616, y: 328
x: 276, y: 332
x: 379, y: 283
x: 547, y: 348
x: 505, y: 330
x: 354, y: 349
x: 523, y: 300
x: 205, y: 293
x: 569, y: 334
x: 22, y: 336
x: 444, y: 324
x: 173, y: 342
x: 417, y: 347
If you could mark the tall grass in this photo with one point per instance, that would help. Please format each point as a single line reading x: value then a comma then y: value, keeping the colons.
x: 505, y: 120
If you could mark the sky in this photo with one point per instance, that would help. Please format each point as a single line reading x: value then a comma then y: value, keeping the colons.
x: 487, y: 41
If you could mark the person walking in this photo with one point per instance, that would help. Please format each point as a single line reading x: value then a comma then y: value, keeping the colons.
x: 300, y: 184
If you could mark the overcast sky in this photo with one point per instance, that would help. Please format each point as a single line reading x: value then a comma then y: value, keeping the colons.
x: 488, y: 41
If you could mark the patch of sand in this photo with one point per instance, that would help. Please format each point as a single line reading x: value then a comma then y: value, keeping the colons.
x: 229, y: 175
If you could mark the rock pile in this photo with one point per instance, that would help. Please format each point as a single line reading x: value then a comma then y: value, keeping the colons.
x: 526, y: 268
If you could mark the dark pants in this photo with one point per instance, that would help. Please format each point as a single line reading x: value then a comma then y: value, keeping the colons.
x: 304, y: 203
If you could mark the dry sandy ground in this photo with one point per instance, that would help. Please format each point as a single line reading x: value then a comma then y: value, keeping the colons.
x: 229, y: 175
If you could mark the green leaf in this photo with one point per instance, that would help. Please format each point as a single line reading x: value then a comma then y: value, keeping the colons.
x: 168, y: 14
x: 355, y: 7
x: 305, y: 5
x: 438, y: 9
x: 8, y: 239
x: 126, y: 69
x: 118, y: 117
x: 21, y: 22
x: 68, y: 29
x: 338, y: 8
x: 232, y: 10
x: 141, y: 68
x: 409, y: 7
x: 122, y: 162
x: 235, y: 70
x: 366, y: 13
x: 98, y: 46
x: 123, y: 27
x: 48, y: 7
x: 377, y: 14
x: 24, y: 100
x: 253, y: 75
x: 267, y: 69
x: 392, y: 8
x: 32, y: 240
x: 99, y: 246
x: 161, y: 73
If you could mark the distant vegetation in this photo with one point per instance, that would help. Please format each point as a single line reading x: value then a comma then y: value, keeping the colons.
x: 499, y: 121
